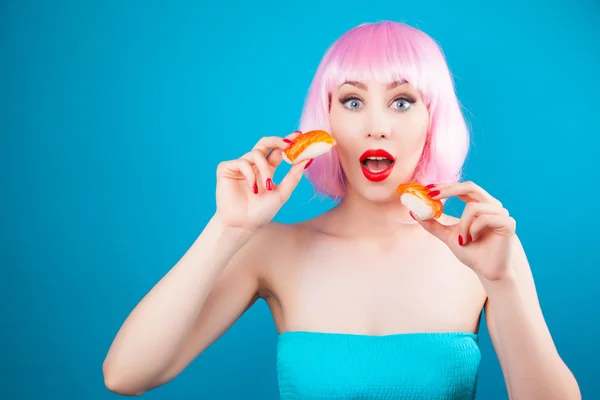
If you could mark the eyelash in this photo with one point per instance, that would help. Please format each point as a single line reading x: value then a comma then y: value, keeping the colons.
x: 405, y: 98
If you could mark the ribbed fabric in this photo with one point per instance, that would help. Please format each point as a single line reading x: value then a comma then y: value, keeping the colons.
x: 412, y: 366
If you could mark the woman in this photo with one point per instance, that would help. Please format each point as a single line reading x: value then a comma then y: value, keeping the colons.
x: 369, y: 302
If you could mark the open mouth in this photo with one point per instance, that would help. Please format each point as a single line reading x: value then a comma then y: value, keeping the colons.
x: 377, y: 164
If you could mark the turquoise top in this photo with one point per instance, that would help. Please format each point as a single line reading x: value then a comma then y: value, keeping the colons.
x: 408, y: 366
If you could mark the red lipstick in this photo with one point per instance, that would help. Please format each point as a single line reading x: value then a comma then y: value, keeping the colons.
x: 376, y: 176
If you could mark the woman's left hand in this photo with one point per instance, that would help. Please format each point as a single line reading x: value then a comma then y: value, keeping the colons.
x: 484, y: 239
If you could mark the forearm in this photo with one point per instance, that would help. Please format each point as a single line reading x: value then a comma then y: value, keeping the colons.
x: 529, y: 359
x: 154, y: 331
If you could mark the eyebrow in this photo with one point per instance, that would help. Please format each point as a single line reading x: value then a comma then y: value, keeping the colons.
x: 364, y: 87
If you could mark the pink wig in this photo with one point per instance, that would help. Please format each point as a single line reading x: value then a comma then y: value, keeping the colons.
x: 387, y: 52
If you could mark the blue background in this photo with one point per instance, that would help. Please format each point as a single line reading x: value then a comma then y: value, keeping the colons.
x: 114, y: 116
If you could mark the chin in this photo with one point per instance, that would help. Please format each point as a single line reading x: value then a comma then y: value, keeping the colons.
x: 382, y: 194
x: 379, y: 186
x: 384, y: 191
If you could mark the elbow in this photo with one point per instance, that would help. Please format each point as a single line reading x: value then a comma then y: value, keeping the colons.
x: 575, y: 390
x: 569, y: 389
x: 573, y: 394
x: 117, y: 382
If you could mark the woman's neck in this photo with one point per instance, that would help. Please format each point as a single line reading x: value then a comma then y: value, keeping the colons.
x: 356, y: 216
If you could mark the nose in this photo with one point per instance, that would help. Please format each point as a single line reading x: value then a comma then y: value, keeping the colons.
x: 378, y: 135
x: 378, y: 125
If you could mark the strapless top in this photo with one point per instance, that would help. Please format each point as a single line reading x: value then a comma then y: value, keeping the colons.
x: 407, y: 366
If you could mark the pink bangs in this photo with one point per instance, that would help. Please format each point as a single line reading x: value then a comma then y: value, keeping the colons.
x: 386, y: 52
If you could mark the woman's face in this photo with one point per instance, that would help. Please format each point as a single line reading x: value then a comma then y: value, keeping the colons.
x: 380, y: 132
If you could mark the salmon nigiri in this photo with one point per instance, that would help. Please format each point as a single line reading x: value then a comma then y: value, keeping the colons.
x: 414, y: 196
x: 309, y: 145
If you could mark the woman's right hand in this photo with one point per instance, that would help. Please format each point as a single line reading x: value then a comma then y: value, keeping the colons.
x: 246, y: 195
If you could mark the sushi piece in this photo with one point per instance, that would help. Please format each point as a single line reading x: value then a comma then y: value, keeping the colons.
x: 309, y: 145
x: 414, y: 196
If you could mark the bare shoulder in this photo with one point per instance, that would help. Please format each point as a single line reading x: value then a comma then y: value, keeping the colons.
x: 276, y: 235
x: 254, y: 258
x: 461, y: 271
x: 277, y: 244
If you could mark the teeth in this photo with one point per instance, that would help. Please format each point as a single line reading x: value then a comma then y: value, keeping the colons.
x: 376, y: 158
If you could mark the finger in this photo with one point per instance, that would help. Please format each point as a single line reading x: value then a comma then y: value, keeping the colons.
x: 257, y: 158
x: 269, y: 143
x: 466, y: 191
x: 275, y: 156
x: 471, y: 211
x: 434, y: 227
x: 435, y: 186
x: 499, y: 223
x: 291, y: 180
x: 238, y: 169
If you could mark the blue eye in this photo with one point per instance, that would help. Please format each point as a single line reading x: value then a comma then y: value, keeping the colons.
x: 400, y: 104
x: 404, y: 104
x: 351, y: 103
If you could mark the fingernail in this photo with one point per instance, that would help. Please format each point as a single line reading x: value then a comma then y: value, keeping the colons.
x: 470, y: 238
x: 269, y: 184
x: 460, y: 240
x: 255, y: 188
x: 411, y: 214
x: 430, y: 186
x: 287, y: 140
x: 434, y: 193
x: 310, y: 162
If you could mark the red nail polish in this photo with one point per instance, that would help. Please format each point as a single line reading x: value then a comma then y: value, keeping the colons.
x: 287, y: 140
x: 310, y: 162
x: 470, y: 238
x: 412, y: 216
x: 269, y: 184
x: 460, y: 240
x: 434, y: 193
x: 430, y: 186
x: 255, y: 189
